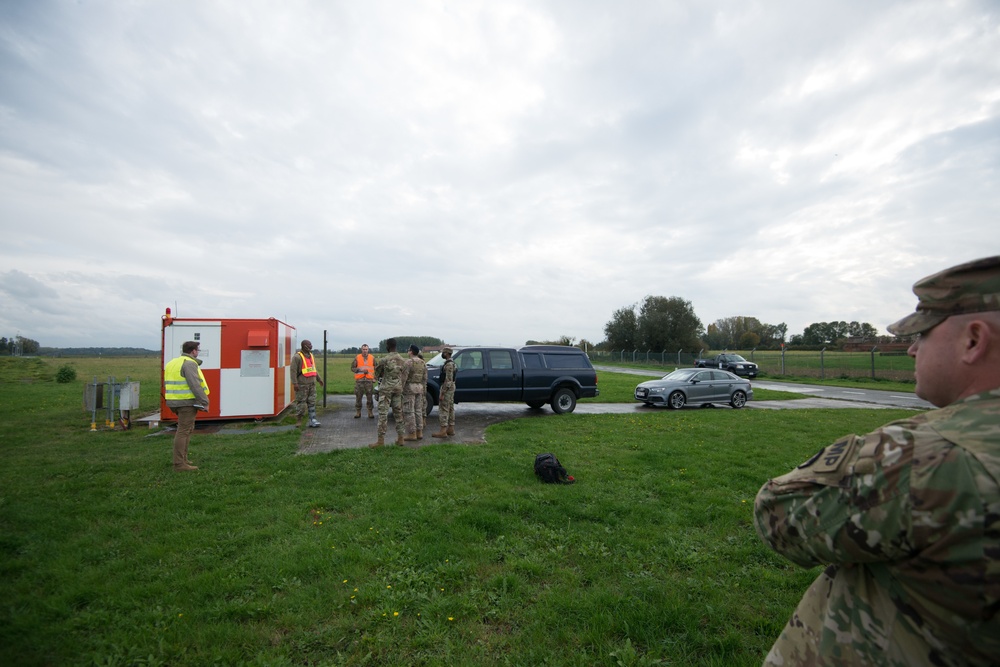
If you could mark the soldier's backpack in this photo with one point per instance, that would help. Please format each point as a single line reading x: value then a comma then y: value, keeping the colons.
x: 550, y: 471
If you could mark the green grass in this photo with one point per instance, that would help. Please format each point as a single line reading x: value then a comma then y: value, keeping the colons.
x: 446, y: 555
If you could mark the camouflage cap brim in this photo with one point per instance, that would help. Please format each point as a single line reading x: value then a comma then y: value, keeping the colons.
x: 918, y: 322
x: 973, y: 287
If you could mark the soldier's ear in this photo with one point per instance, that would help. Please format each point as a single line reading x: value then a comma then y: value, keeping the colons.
x: 977, y: 341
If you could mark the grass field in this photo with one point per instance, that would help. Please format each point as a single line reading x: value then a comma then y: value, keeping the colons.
x: 446, y: 555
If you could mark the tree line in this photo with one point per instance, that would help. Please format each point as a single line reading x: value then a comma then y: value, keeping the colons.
x: 670, y: 323
x: 18, y: 345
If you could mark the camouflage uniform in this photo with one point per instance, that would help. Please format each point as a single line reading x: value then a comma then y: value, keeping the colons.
x: 363, y: 385
x: 906, y: 518
x: 388, y: 373
x: 414, y: 394
x: 446, y: 399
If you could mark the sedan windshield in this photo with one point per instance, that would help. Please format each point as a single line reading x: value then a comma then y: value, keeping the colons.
x: 682, y: 374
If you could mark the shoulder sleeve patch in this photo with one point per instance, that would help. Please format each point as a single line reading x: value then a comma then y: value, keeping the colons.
x: 833, y: 457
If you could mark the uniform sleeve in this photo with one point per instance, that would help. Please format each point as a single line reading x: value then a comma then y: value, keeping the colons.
x: 296, y: 367
x: 849, y: 503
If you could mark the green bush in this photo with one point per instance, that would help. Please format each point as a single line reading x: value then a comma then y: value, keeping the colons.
x: 65, y: 374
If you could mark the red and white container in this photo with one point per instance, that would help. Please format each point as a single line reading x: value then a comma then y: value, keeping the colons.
x: 246, y: 363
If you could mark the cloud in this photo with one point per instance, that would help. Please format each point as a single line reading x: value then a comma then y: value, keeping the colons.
x: 487, y: 172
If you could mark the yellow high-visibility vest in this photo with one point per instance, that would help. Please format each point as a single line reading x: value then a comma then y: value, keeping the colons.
x: 175, y: 386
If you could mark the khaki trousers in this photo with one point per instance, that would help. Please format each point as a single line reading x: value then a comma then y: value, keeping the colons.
x: 185, y: 426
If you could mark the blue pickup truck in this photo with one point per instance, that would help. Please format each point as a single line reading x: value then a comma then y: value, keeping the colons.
x: 557, y: 375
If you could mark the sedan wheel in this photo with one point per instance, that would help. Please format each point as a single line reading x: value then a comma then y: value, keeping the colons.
x: 739, y: 400
x: 676, y: 400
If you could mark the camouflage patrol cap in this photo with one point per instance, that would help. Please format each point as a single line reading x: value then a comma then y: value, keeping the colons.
x: 446, y: 350
x: 973, y: 287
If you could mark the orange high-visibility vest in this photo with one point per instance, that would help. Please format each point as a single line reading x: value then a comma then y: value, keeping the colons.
x: 366, y: 369
x: 308, y: 365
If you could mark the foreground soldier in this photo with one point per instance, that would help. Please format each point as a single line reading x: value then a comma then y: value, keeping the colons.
x: 389, y: 373
x: 186, y: 392
x: 907, y: 518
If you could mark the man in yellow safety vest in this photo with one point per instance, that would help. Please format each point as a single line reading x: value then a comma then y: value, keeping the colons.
x: 185, y: 392
x: 305, y: 377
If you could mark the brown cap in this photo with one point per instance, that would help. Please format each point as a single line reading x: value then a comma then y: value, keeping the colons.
x: 973, y: 287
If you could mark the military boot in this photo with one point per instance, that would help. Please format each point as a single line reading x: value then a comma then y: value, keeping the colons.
x: 411, y: 436
x: 370, y: 415
x: 451, y: 430
x: 185, y: 467
x: 420, y: 435
x: 399, y: 440
x: 379, y: 443
x: 440, y: 434
x: 357, y: 413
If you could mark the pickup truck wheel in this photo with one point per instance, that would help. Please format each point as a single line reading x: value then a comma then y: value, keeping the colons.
x: 739, y: 400
x: 676, y: 400
x: 535, y: 404
x: 430, y: 402
x: 563, y: 401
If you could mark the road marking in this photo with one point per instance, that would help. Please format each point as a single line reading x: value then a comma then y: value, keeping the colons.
x: 859, y: 393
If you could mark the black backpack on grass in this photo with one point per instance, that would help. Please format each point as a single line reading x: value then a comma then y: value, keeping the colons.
x: 550, y: 471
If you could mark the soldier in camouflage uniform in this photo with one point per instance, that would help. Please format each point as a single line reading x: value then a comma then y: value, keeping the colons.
x: 446, y: 398
x: 389, y: 375
x: 906, y: 519
x: 414, y: 394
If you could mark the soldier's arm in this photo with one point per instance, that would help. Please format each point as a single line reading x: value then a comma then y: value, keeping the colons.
x: 850, y: 503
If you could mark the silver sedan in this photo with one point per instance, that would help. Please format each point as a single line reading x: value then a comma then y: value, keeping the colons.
x: 695, y: 386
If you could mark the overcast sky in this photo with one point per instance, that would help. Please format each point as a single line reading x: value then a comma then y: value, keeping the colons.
x: 487, y: 172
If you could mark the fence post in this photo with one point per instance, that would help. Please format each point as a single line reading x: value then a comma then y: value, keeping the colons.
x: 873, y: 361
x: 822, y: 367
x: 752, y: 353
x: 782, y: 358
x: 679, y: 356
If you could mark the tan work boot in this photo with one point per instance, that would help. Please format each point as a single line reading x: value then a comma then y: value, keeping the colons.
x: 399, y: 439
x: 357, y: 413
x: 420, y: 435
x: 440, y: 434
x: 410, y: 436
x: 370, y: 415
x: 379, y: 443
x: 451, y: 430
x: 185, y: 467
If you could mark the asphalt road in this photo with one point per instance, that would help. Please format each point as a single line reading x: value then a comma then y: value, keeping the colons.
x: 875, y: 397
x: 341, y: 430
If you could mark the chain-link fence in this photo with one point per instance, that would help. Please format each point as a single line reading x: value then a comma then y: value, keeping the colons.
x: 821, y: 364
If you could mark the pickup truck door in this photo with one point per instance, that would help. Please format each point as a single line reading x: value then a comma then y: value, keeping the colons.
x: 471, y: 377
x: 504, y: 376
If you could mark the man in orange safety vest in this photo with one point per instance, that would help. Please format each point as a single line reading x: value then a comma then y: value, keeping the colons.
x: 363, y: 368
